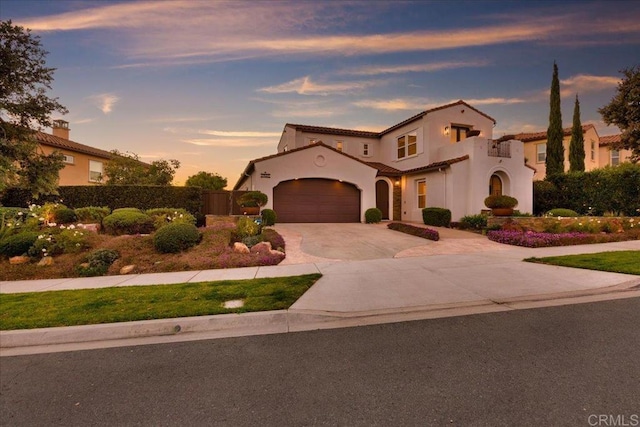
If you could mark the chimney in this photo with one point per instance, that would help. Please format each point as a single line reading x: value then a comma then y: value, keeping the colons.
x: 61, y: 129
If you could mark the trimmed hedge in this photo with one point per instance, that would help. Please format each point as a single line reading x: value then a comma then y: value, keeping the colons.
x: 128, y: 222
x: 373, y: 215
x: 609, y: 189
x: 92, y: 214
x: 269, y: 217
x: 114, y: 197
x: 176, y: 237
x: 438, y: 217
x: 425, y: 233
x: 562, y: 212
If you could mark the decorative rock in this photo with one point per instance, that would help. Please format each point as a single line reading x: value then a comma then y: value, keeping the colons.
x: 91, y: 227
x: 261, y: 248
x: 84, y: 265
x: 240, y: 248
x: 127, y: 269
x: 278, y: 253
x: 45, y: 262
x: 19, y: 260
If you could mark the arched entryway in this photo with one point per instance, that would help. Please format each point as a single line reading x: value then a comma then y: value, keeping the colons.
x: 495, y: 185
x: 382, y: 197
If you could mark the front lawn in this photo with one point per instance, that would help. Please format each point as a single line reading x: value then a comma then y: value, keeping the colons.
x: 617, y: 262
x: 124, y: 304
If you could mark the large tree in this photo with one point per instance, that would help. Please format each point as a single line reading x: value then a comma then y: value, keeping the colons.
x: 555, y: 151
x: 206, y: 180
x: 576, y: 146
x: 624, y: 111
x: 127, y: 169
x: 25, y: 107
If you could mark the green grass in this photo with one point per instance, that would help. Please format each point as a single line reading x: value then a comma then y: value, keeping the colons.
x: 124, y: 304
x: 617, y: 262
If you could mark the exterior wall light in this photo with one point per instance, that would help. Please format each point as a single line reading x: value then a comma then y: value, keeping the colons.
x: 446, y: 130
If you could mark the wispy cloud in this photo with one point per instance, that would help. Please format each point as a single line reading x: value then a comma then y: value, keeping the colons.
x: 416, y: 104
x: 305, y: 86
x: 583, y: 83
x: 104, y: 101
x: 238, y: 134
x: 214, y: 31
x: 414, y: 68
x: 229, y: 142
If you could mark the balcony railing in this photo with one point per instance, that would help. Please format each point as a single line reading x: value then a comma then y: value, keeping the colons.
x: 499, y: 149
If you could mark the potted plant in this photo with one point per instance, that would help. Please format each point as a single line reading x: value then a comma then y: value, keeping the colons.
x: 251, y: 202
x: 501, y: 205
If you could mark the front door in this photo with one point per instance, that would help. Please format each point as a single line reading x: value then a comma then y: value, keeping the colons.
x: 495, y: 186
x: 382, y: 198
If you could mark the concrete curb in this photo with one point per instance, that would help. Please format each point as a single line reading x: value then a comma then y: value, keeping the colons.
x: 47, y: 340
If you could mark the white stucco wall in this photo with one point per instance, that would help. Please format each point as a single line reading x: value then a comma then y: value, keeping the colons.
x: 314, y: 162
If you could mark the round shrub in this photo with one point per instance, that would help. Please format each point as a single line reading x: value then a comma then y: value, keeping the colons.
x: 498, y: 202
x: 562, y: 212
x: 127, y: 210
x: 373, y: 215
x: 127, y: 222
x: 438, y: 217
x: 98, y: 262
x: 269, y: 217
x: 64, y: 216
x: 176, y: 237
x: 246, y: 227
x: 477, y: 222
x: 17, y: 244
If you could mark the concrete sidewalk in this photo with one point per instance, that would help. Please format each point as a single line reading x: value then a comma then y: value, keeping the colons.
x: 350, y: 293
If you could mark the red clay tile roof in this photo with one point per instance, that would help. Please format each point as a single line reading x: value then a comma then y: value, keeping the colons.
x: 385, y: 170
x: 367, y: 134
x: 609, y: 139
x: 57, y: 142
x: 436, y: 165
x: 540, y: 136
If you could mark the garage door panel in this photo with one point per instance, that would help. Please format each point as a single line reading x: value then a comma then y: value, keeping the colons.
x: 316, y: 200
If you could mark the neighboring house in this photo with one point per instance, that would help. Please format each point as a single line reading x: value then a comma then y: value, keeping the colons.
x: 596, y: 149
x: 442, y: 157
x: 610, y: 157
x: 83, y: 165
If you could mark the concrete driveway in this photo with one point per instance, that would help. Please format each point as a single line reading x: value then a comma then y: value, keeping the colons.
x: 350, y: 242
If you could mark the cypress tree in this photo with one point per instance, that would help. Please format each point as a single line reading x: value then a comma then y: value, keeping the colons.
x: 555, y: 151
x: 576, y: 147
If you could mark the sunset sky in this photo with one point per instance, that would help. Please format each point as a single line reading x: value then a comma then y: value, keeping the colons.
x: 212, y: 83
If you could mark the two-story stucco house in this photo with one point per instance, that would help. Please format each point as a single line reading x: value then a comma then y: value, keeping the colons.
x: 597, y: 150
x: 443, y: 157
x: 83, y: 165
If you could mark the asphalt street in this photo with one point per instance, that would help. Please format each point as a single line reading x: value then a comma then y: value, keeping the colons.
x: 550, y: 366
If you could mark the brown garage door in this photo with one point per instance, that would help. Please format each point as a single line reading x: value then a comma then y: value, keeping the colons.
x: 316, y: 200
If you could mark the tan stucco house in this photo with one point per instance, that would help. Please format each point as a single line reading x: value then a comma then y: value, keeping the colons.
x: 597, y: 150
x: 83, y: 165
x: 442, y: 157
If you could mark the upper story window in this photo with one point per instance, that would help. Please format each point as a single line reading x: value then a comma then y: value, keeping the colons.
x: 541, y: 153
x: 313, y: 141
x: 459, y: 132
x: 615, y: 157
x: 366, y: 150
x: 69, y: 159
x: 339, y: 145
x: 95, y: 171
x: 593, y: 150
x: 407, y: 145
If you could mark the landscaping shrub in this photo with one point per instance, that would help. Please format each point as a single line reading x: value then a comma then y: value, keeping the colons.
x: 425, y: 233
x: 176, y: 237
x: 92, y: 214
x: 269, y: 217
x: 562, y: 212
x: 17, y: 244
x: 373, y: 215
x: 545, y: 197
x: 252, y: 240
x: 438, y: 217
x: 98, y: 263
x: 273, y: 237
x: 45, y: 245
x: 72, y: 241
x: 531, y: 239
x: 164, y: 216
x: 64, y: 215
x: 502, y: 201
x: 476, y: 222
x: 246, y: 227
x: 127, y: 222
x: 127, y: 210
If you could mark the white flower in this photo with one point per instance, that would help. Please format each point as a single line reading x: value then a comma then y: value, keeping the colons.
x: 41, y: 219
x: 44, y: 250
x: 71, y: 227
x: 62, y: 227
x: 78, y: 244
x: 20, y: 213
x: 41, y: 236
x: 579, y: 223
x: 181, y: 215
x: 52, y: 224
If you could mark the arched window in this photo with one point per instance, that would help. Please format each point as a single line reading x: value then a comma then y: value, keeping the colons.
x: 495, y: 185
